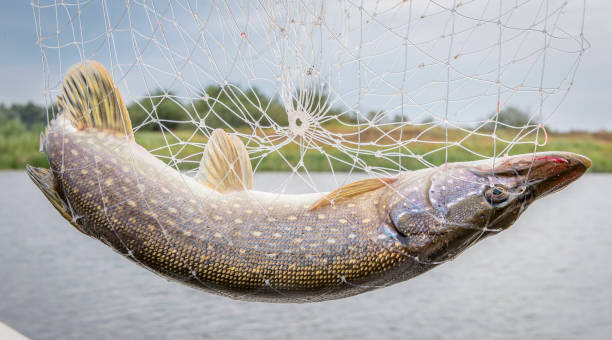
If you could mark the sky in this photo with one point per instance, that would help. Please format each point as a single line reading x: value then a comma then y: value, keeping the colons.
x: 586, y: 107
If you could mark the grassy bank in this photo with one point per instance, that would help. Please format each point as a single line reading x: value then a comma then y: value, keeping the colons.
x: 16, y: 150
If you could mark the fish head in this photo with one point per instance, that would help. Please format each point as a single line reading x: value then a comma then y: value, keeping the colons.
x: 450, y: 207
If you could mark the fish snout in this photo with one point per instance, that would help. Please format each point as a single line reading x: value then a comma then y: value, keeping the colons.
x: 553, y: 171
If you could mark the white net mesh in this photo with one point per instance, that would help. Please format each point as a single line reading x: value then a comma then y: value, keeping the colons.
x: 374, y: 86
x: 339, y: 86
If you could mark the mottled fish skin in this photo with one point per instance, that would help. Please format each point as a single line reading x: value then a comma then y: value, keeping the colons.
x: 258, y: 246
x: 240, y: 245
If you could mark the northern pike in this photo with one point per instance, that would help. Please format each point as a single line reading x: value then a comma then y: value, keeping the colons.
x: 214, y: 232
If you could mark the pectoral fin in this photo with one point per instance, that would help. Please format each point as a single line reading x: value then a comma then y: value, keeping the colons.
x: 226, y: 165
x: 352, y: 190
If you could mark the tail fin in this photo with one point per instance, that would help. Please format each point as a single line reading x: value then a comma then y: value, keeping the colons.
x: 43, y: 178
x: 90, y: 99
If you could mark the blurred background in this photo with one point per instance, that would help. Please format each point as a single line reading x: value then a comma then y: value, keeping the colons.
x: 546, y: 277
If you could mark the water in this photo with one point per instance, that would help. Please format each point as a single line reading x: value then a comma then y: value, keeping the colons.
x: 547, y: 277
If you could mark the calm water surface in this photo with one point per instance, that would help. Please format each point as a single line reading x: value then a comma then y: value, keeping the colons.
x: 548, y: 277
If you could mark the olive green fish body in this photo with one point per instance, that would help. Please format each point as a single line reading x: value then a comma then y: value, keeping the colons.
x: 215, y: 233
x: 246, y: 245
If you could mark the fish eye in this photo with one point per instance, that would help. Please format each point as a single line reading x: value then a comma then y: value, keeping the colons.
x: 496, y: 194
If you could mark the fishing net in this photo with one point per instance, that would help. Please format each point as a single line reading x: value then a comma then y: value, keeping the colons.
x: 343, y: 87
x: 338, y: 86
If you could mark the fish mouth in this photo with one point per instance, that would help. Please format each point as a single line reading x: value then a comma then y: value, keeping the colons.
x: 554, y: 171
x: 545, y: 172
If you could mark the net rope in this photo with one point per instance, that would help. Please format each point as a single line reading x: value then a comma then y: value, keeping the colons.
x: 373, y: 87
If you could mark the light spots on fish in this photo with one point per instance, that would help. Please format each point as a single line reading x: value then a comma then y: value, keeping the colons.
x: 226, y: 239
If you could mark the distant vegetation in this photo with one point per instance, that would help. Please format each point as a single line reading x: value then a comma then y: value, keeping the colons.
x: 509, y: 117
x: 21, y: 124
x: 227, y: 106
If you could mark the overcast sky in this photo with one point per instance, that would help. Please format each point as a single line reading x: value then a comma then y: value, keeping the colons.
x: 586, y: 107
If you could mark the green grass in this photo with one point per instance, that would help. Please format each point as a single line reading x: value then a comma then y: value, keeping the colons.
x: 20, y: 149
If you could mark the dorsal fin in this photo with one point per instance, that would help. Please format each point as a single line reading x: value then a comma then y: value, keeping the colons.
x: 90, y: 99
x: 351, y: 190
x: 226, y: 165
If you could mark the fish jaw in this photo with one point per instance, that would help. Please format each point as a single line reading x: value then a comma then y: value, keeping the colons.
x: 554, y: 171
x: 538, y: 174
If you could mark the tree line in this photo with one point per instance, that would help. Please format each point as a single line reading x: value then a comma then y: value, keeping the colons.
x: 218, y: 106
x: 224, y: 106
x: 18, y: 118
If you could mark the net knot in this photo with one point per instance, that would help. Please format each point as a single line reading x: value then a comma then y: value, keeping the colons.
x: 299, y: 122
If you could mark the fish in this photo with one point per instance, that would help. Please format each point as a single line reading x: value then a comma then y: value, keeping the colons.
x: 214, y: 232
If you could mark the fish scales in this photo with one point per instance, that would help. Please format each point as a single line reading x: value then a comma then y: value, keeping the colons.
x: 229, y: 244
x: 215, y: 233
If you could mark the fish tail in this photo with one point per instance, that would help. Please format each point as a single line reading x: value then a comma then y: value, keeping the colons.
x: 91, y: 100
x: 44, y: 180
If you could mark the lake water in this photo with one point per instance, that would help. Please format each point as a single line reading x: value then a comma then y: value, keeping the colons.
x: 548, y: 277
